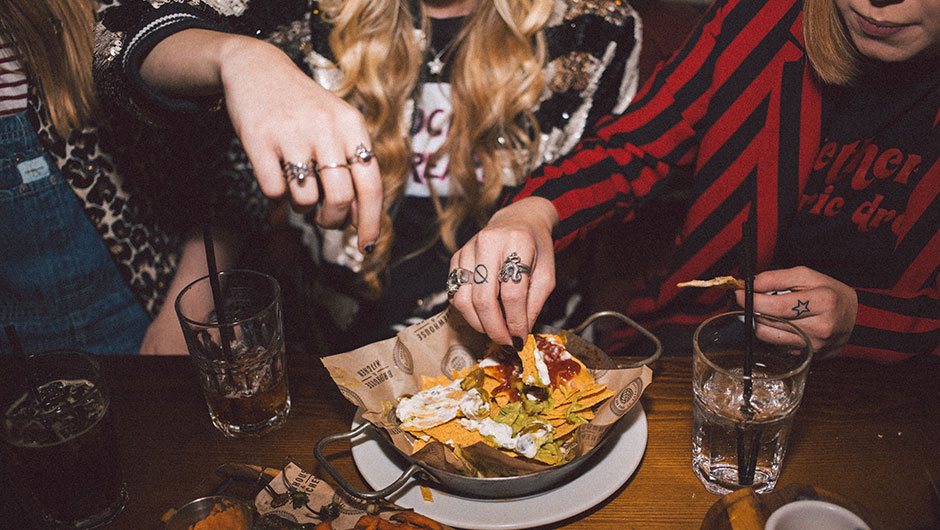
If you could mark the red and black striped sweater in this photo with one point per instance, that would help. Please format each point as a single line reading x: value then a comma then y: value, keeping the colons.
x: 739, y: 105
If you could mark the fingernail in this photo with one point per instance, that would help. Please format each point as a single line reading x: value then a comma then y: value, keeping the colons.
x: 368, y: 249
x: 518, y: 343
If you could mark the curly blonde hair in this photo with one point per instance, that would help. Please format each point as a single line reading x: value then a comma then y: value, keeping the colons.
x: 55, y: 38
x: 497, y: 79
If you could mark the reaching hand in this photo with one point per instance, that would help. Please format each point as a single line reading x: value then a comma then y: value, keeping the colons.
x: 516, y: 242
x: 824, y: 308
x: 301, y: 138
x: 284, y: 117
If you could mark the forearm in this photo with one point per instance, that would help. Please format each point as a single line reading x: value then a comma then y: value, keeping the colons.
x: 193, y: 263
x: 189, y: 63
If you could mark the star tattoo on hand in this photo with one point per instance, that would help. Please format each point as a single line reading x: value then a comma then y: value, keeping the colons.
x: 480, y: 274
x: 801, y: 307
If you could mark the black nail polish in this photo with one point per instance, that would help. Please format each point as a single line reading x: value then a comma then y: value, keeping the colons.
x: 369, y: 248
x: 518, y: 343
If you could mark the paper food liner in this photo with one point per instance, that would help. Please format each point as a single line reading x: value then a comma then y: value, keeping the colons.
x: 274, y: 499
x: 374, y: 376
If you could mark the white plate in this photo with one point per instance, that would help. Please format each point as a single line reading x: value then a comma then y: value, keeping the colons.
x: 380, y: 466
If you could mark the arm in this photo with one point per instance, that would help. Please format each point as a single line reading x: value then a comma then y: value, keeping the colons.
x: 279, y: 113
x: 629, y: 158
x: 164, y: 336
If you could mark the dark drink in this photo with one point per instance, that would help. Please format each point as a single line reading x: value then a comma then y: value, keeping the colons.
x: 60, y: 443
x: 255, y: 409
x: 248, y: 395
x: 240, y: 360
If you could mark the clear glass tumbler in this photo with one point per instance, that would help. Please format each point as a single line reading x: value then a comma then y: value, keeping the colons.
x: 58, y: 439
x: 240, y: 361
x: 741, y: 424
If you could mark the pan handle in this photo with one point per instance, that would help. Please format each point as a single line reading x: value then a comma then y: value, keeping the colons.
x: 365, y: 495
x: 630, y: 322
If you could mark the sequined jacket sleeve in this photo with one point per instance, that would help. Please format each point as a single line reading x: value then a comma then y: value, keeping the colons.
x: 129, y: 29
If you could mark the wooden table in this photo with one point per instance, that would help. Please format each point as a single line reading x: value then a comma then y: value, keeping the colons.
x: 867, y: 432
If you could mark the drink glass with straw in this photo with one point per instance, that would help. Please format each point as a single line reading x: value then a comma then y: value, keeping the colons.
x: 57, y: 437
x: 233, y: 327
x: 746, y: 388
x: 739, y: 439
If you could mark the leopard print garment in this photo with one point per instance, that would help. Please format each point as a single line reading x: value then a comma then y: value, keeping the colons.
x: 145, y: 255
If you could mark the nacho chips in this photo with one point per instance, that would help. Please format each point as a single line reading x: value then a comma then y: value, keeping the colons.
x: 527, y: 405
x: 726, y: 282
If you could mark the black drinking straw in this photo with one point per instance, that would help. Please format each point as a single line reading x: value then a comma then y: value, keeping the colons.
x: 747, y: 457
x: 20, y: 354
x: 15, y: 340
x: 225, y: 332
x: 749, y: 237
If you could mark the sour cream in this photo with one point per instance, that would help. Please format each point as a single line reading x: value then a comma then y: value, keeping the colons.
x: 473, y: 406
x: 526, y: 444
x: 433, y: 406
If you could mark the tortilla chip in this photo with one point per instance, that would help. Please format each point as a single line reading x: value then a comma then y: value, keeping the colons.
x: 453, y: 434
x: 725, y: 282
x: 582, y: 380
x: 431, y: 382
x: 530, y: 371
x: 581, y: 401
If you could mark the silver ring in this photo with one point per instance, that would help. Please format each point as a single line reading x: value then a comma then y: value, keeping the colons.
x: 363, y: 155
x: 330, y: 166
x: 457, y: 277
x: 293, y: 170
x: 513, y: 269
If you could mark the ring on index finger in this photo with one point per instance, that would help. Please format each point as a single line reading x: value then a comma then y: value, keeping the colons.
x: 457, y: 277
x: 299, y: 171
x: 362, y: 155
x: 513, y: 269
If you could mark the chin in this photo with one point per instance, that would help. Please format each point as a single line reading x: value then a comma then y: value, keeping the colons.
x: 887, y: 53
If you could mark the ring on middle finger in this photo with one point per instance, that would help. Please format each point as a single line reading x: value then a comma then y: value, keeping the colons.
x: 457, y: 277
x: 513, y: 269
x: 299, y: 171
x: 331, y: 166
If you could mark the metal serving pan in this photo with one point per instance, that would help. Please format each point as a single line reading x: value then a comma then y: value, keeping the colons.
x: 489, y: 487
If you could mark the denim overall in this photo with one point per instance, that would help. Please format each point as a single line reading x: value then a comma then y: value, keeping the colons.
x: 58, y: 285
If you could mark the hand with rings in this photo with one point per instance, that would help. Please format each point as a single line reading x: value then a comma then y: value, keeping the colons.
x: 501, y: 278
x: 287, y: 124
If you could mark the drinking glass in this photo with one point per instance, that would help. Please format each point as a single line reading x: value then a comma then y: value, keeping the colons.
x: 240, y: 358
x: 741, y: 424
x: 58, y: 439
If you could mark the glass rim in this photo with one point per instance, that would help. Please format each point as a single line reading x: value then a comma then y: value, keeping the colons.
x: 60, y: 353
x: 237, y: 321
x: 88, y: 358
x: 696, y: 352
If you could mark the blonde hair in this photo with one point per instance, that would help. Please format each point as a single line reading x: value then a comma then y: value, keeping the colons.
x: 55, y: 39
x: 830, y: 50
x: 497, y: 79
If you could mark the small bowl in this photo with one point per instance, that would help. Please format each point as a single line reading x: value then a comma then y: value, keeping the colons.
x: 818, y: 515
x: 199, y: 509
